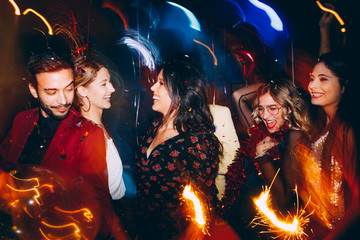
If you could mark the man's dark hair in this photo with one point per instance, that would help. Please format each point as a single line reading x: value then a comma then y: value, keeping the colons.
x: 47, y: 61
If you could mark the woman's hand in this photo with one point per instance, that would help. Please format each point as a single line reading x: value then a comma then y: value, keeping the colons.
x: 264, y: 145
x: 326, y: 17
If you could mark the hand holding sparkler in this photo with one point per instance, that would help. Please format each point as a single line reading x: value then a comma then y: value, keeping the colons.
x: 291, y: 228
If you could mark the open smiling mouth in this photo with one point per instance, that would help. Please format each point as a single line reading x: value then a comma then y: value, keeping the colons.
x: 270, y: 124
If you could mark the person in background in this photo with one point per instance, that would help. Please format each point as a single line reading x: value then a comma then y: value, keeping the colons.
x: 226, y: 133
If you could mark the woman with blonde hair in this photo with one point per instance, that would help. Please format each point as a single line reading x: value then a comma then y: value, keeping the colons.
x: 93, y: 94
x: 278, y: 116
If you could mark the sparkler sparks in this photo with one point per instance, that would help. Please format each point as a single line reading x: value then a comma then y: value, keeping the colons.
x: 199, y: 216
x: 287, y: 229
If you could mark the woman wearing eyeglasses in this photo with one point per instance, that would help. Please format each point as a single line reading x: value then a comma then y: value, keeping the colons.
x: 277, y: 116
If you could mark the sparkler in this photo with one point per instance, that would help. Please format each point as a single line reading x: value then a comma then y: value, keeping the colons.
x: 287, y: 229
x: 200, y: 218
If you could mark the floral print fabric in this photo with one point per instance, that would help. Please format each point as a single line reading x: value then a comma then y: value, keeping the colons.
x: 181, y: 160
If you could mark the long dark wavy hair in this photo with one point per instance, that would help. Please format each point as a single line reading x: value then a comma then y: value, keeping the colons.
x: 342, y: 139
x: 186, y: 86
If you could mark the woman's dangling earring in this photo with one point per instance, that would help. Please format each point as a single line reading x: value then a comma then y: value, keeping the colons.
x: 89, y: 104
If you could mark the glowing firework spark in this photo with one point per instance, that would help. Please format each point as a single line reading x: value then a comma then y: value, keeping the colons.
x: 17, y: 9
x: 334, y: 13
x: 286, y: 229
x: 41, y: 17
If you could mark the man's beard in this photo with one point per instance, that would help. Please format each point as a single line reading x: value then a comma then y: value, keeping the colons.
x: 47, y: 109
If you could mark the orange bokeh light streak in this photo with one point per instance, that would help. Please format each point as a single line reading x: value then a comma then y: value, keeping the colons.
x: 72, y: 225
x: 41, y: 17
x: 208, y: 48
x: 35, y: 188
x: 17, y: 9
x: 87, y: 214
x: 343, y: 29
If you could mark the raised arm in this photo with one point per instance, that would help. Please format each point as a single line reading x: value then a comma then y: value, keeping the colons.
x: 244, y: 98
x: 324, y: 24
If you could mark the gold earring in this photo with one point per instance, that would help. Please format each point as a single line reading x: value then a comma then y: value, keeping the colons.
x: 89, y: 105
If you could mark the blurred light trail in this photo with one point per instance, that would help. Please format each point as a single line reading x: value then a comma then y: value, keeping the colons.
x: 117, y: 11
x: 194, y: 23
x: 48, y: 236
x: 239, y: 12
x: 41, y: 17
x: 276, y: 22
x: 86, y: 212
x: 208, y: 48
x: 35, y: 188
x: 343, y: 29
x: 147, y: 58
x: 17, y: 9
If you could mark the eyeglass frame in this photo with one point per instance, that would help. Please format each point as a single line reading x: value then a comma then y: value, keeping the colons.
x: 267, y: 109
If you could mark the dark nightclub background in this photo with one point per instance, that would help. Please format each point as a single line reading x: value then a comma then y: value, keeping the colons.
x: 245, y: 47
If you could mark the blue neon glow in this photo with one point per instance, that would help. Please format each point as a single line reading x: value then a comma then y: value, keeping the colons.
x: 276, y: 22
x: 239, y: 10
x: 194, y: 23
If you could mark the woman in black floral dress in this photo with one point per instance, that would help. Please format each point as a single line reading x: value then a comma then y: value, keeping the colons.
x: 180, y: 149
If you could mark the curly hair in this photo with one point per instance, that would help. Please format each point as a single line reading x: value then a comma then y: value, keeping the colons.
x: 295, y: 109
